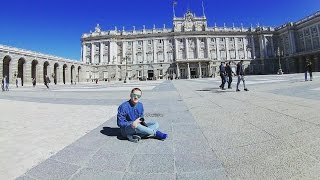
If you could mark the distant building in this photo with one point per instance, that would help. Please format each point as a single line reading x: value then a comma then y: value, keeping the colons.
x: 192, y: 49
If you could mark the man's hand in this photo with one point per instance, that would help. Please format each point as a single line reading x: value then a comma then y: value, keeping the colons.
x: 135, y: 123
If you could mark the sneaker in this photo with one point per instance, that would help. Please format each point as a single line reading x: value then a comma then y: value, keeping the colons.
x: 246, y: 89
x: 160, y: 135
x: 238, y: 90
x: 223, y: 88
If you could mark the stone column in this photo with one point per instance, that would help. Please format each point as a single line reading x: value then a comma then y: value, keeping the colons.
x: 154, y: 52
x: 134, y: 52
x: 58, y: 76
x: 207, y: 48
x: 227, y: 48
x: 198, y: 48
x: 189, y: 73
x: 262, y: 47
x: 186, y: 48
x: 27, y: 72
x: 144, y: 45
x: 245, y: 43
x: 236, y: 48
x: 292, y: 41
x: 218, y: 49
x: 84, y: 51
x: 272, y: 46
x: 210, y: 68
x: 13, y: 69
x: 39, y: 72
x: 122, y: 61
x: 101, y: 53
x: 200, y: 70
x: 176, y: 52
x: 92, y: 52
x: 253, y: 48
x: 178, y: 70
x: 165, y: 54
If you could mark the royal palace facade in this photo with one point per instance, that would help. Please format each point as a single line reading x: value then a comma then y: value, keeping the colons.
x: 190, y: 49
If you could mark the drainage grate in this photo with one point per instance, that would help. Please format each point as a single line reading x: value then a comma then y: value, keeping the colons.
x: 153, y: 115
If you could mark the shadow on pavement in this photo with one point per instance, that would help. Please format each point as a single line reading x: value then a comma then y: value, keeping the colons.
x: 111, y: 131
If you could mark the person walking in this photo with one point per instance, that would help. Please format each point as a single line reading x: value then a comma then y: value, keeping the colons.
x: 34, y: 82
x: 308, y: 68
x: 222, y: 75
x: 229, y: 73
x: 240, y: 74
x: 46, y: 81
x: 5, y: 83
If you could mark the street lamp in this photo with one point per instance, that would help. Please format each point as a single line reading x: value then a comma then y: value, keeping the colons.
x: 279, y: 55
x: 125, y: 78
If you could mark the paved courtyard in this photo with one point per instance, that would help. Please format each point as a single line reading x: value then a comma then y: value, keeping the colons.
x: 70, y: 132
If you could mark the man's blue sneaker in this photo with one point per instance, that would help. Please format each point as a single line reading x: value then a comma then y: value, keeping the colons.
x: 160, y: 135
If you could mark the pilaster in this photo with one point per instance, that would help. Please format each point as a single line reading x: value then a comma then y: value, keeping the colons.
x: 186, y: 48
x: 200, y: 70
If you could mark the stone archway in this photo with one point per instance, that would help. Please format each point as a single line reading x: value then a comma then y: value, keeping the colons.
x: 55, y: 72
x: 72, y: 74
x: 6, y: 68
x: 64, y: 73
x: 34, y: 64
x: 45, y: 69
x: 78, y: 75
x: 21, y: 69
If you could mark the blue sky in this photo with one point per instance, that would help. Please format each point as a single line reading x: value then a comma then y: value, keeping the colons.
x: 55, y: 26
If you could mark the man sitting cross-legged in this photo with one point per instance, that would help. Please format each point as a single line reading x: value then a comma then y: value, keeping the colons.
x: 130, y: 120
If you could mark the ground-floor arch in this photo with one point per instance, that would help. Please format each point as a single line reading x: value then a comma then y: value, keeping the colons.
x: 72, y: 69
x: 55, y: 72
x: 6, y: 68
x: 21, y: 70
x: 34, y: 65
x: 64, y: 73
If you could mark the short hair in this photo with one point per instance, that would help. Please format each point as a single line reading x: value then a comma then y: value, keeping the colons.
x: 136, y: 89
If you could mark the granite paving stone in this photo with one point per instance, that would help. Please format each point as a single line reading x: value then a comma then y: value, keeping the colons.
x: 70, y: 132
x: 88, y: 173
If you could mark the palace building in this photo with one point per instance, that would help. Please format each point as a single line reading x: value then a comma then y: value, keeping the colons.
x: 192, y: 49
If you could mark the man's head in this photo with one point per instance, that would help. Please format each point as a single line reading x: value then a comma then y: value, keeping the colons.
x: 135, y: 95
x: 241, y: 61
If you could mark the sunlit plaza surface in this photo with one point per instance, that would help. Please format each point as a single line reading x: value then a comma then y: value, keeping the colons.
x: 69, y: 131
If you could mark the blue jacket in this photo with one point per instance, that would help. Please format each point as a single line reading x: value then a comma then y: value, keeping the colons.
x: 128, y: 112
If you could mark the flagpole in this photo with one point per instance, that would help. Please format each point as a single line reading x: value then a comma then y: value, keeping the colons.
x: 203, y: 10
x: 174, y: 12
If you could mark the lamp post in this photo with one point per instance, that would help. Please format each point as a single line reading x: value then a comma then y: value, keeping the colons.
x: 279, y: 55
x: 125, y: 78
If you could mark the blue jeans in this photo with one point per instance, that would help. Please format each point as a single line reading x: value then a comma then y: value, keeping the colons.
x: 141, y: 130
x: 241, y: 78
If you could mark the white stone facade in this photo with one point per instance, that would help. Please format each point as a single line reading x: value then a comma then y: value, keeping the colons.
x: 24, y: 65
x: 191, y: 49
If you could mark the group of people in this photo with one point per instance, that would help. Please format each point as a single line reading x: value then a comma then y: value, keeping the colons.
x: 226, y: 74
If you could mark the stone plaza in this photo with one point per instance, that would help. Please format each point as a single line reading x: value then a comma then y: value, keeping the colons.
x: 70, y: 132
